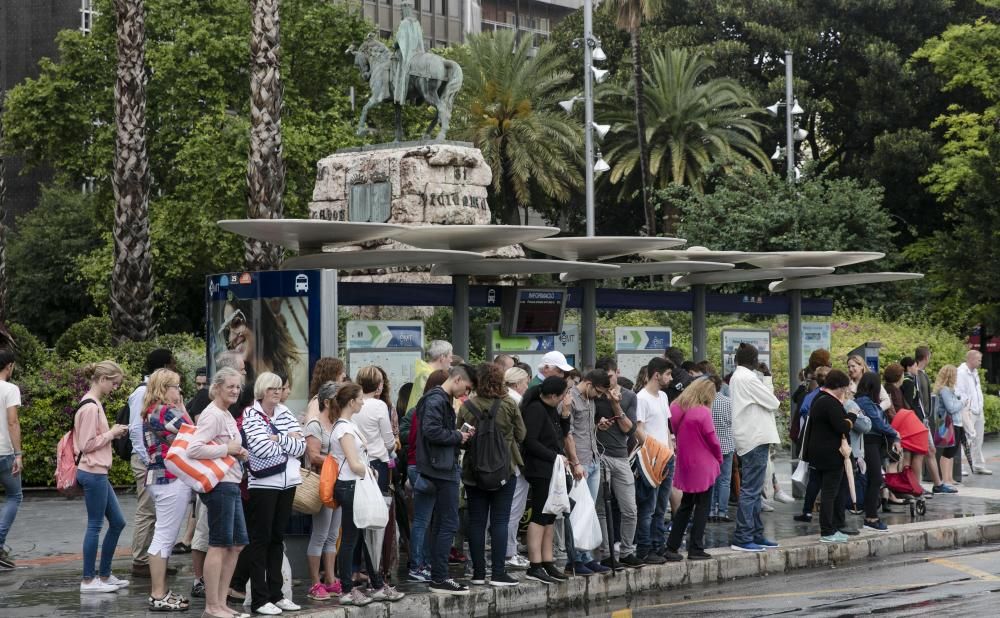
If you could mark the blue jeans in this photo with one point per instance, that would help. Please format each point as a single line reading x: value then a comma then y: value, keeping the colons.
x: 422, y: 512
x: 753, y: 469
x: 495, y: 506
x: 593, y: 479
x: 440, y: 497
x: 12, y: 487
x: 719, y: 502
x: 652, y: 504
x: 101, y: 502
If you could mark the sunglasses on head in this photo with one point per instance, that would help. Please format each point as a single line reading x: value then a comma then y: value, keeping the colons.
x: 236, y: 319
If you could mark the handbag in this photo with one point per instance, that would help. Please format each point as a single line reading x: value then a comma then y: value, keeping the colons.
x: 201, y: 475
x: 269, y: 465
x: 306, y: 498
x: 583, y: 518
x: 944, y: 436
x: 370, y: 509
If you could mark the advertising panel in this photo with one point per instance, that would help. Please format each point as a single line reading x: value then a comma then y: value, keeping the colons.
x: 732, y: 338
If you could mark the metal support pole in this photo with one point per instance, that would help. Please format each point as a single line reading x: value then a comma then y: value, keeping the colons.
x: 699, y: 335
x: 588, y: 326
x: 588, y: 113
x: 460, y: 316
x: 789, y: 119
x: 794, y: 338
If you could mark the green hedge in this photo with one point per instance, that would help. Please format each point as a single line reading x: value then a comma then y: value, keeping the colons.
x: 51, y: 384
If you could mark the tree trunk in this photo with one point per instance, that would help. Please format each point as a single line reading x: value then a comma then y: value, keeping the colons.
x: 4, y: 315
x: 640, y: 124
x: 266, y: 165
x: 510, y: 214
x: 131, y: 276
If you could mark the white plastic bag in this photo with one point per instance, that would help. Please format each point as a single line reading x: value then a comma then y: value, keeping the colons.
x: 583, y: 518
x: 558, y: 501
x: 370, y: 510
x: 800, y: 478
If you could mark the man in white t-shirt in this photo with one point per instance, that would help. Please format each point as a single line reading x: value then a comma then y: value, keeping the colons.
x: 11, y: 462
x: 652, y: 414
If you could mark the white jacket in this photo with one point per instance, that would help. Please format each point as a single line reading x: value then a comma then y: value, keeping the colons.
x: 968, y: 389
x: 754, y: 409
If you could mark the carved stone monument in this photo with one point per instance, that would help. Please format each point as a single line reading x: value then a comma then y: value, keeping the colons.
x: 417, y: 183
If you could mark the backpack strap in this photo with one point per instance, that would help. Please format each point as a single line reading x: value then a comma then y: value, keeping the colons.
x: 474, y: 409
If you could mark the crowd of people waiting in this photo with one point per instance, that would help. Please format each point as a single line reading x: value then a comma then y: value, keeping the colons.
x: 476, y: 447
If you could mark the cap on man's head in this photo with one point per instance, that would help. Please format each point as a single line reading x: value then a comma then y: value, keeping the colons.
x: 555, y: 359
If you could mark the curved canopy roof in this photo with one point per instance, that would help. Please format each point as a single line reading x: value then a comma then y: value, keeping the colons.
x: 832, y: 281
x: 701, y: 254
x: 378, y: 258
x: 746, y: 274
x: 645, y: 269
x: 814, y: 258
x: 477, y: 238
x: 497, y: 267
x: 600, y: 247
x: 309, y: 234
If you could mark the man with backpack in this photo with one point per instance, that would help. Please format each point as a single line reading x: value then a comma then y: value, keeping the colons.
x: 488, y: 470
x: 438, y: 444
x: 134, y: 450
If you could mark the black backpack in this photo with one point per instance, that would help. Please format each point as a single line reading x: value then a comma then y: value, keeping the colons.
x: 123, y: 446
x: 490, y: 453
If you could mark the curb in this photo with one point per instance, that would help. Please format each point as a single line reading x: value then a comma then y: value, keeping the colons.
x: 587, y: 594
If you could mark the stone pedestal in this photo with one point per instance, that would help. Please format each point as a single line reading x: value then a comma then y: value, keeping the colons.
x: 409, y: 183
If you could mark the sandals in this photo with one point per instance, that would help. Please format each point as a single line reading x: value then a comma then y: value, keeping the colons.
x: 169, y: 603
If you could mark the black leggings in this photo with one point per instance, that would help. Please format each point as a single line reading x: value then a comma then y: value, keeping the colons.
x: 873, y: 491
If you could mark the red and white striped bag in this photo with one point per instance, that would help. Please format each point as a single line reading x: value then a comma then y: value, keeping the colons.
x: 201, y: 475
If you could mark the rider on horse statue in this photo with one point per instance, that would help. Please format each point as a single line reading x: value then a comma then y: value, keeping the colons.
x: 409, y: 42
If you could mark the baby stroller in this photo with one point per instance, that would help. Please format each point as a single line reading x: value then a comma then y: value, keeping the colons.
x: 904, y: 485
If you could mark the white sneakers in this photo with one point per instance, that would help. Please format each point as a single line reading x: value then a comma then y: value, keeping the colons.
x: 114, y: 581
x: 96, y: 585
x: 783, y: 497
x: 269, y: 609
x: 288, y: 606
x: 517, y: 561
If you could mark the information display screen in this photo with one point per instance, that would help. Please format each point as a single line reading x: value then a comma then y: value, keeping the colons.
x: 533, y: 312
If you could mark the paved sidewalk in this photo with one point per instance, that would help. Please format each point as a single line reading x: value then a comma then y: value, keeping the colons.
x: 46, y: 538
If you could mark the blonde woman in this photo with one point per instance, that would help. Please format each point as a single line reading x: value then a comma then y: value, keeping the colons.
x: 163, y: 414
x: 92, y: 442
x: 856, y: 367
x: 215, y: 437
x: 947, y: 403
x: 699, y: 456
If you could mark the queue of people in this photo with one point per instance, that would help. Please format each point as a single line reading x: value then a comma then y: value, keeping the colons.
x: 482, y: 445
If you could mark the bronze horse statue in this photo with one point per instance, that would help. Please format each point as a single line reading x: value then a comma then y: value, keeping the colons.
x: 433, y: 80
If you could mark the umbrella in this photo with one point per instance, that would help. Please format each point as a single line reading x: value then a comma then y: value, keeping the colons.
x: 609, y: 528
x: 390, y: 558
x: 912, y: 431
x: 965, y: 446
x: 373, y: 541
x: 849, y: 470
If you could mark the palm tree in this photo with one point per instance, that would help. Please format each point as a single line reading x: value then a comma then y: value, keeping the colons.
x: 131, y: 275
x: 266, y: 165
x: 693, y: 124
x: 3, y: 222
x: 508, y: 109
x: 630, y: 16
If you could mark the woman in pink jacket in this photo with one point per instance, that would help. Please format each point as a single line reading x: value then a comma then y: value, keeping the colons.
x: 92, y: 442
x: 698, y: 459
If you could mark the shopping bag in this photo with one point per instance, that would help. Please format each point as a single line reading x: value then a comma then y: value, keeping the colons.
x: 558, y: 501
x: 370, y: 510
x: 944, y: 435
x: 800, y: 478
x: 201, y: 475
x: 583, y: 518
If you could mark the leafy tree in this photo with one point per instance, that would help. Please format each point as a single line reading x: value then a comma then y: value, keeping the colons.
x: 963, y: 259
x: 198, y: 123
x: 762, y: 212
x: 47, y: 294
x: 508, y: 109
x: 694, y: 122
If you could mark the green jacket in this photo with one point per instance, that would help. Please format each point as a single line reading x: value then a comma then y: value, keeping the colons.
x: 508, y: 422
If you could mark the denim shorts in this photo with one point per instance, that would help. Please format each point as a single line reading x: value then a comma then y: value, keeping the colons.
x: 226, y: 524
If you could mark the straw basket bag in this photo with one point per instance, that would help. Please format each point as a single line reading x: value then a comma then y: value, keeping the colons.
x: 307, y: 494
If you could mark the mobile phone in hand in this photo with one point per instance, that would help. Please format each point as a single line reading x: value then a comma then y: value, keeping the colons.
x: 467, y: 428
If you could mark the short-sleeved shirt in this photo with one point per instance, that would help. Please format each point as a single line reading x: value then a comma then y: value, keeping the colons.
x: 340, y: 429
x: 10, y: 395
x: 653, y: 411
x: 315, y: 429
